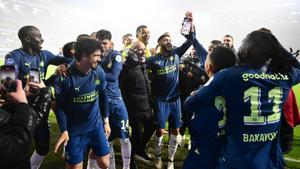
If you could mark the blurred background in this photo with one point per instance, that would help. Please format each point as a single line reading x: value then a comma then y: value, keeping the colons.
x: 60, y: 21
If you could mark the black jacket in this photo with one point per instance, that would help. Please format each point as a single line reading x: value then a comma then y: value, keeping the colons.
x: 17, y: 126
x: 135, y: 87
x: 186, y: 84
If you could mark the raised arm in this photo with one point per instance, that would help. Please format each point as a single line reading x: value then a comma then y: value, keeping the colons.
x: 185, y: 46
x: 200, y: 52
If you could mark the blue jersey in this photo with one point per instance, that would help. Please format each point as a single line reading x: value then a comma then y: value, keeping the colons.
x: 24, y: 62
x: 206, y: 128
x: 165, y: 73
x: 253, y: 101
x: 112, y: 66
x: 78, y: 96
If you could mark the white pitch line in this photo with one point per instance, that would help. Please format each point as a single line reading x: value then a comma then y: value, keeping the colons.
x: 291, y: 159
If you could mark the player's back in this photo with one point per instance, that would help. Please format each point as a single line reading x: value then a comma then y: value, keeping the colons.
x: 206, y: 133
x: 254, y: 101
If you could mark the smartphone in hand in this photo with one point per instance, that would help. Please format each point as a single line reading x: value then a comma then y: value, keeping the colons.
x: 8, y: 78
x: 187, y: 23
x: 34, y: 76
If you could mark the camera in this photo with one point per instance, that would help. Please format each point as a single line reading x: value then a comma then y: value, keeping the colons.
x: 8, y: 76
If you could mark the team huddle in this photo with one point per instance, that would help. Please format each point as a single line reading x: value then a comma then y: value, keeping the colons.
x: 230, y: 101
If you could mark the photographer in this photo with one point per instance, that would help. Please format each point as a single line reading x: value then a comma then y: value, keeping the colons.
x: 191, y: 76
x: 17, y: 125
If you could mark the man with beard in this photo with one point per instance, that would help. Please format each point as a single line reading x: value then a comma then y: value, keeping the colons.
x: 228, y: 42
x: 135, y: 87
x: 111, y: 62
x: 165, y: 87
x: 79, y: 97
x: 28, y: 57
x: 143, y: 35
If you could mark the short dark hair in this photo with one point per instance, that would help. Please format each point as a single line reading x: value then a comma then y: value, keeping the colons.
x: 25, y: 31
x: 166, y: 34
x: 67, y: 49
x: 216, y: 43
x: 265, y: 30
x: 103, y: 34
x: 222, y: 57
x: 140, y: 28
x: 229, y: 36
x: 125, y: 36
x: 81, y: 36
x: 86, y: 46
x: 260, y: 46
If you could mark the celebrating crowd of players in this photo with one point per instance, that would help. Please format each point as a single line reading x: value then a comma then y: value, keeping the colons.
x: 231, y: 101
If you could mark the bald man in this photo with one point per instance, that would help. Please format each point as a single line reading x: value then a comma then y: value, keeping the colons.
x: 135, y: 89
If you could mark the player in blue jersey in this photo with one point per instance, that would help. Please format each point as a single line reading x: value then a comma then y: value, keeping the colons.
x: 165, y: 85
x: 30, y: 56
x: 254, y: 93
x: 79, y: 98
x: 111, y: 62
x: 207, y: 124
